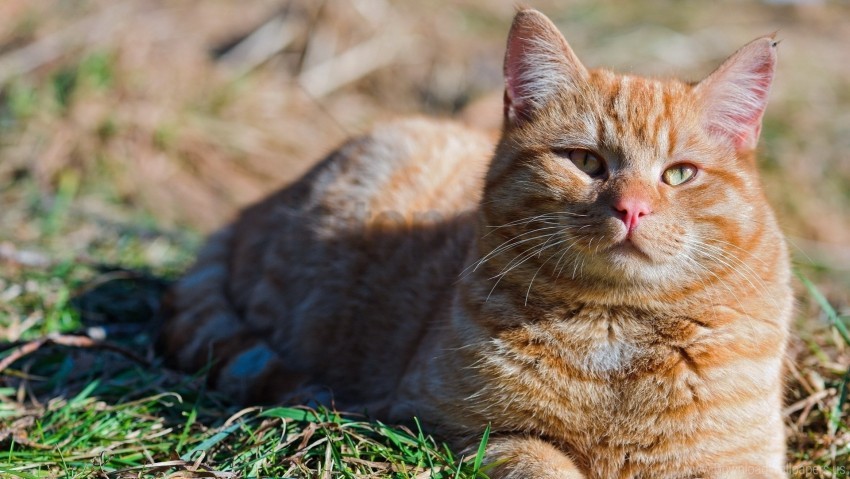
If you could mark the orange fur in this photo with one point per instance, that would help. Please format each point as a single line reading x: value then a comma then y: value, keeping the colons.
x: 410, y: 274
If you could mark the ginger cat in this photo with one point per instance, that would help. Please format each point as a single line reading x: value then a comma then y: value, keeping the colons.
x: 608, y: 289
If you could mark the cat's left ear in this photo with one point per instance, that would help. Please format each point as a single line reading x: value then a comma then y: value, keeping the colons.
x: 538, y: 62
x: 734, y: 97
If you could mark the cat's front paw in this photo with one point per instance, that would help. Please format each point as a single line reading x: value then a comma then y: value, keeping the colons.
x: 527, y: 458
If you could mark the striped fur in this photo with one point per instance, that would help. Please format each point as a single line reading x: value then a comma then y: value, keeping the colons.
x: 411, y: 274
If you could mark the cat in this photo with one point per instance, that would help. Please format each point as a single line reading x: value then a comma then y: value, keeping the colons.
x: 606, y: 285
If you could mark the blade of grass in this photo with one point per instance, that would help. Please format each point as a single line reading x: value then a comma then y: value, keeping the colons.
x: 300, y: 415
x: 836, y: 413
x: 193, y: 416
x: 20, y: 474
x: 421, y: 436
x: 210, y: 442
x: 827, y: 308
x: 479, y: 457
x: 84, y: 394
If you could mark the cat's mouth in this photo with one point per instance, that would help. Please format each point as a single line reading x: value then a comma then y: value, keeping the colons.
x: 628, y: 247
x: 627, y: 242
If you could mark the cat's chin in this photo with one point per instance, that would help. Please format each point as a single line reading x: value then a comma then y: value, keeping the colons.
x: 630, y: 270
x: 627, y: 262
x: 629, y: 250
x: 631, y: 262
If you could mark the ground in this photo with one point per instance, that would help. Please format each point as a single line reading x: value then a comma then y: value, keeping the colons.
x: 130, y: 129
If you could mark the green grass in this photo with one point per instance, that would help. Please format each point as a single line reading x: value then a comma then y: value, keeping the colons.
x: 79, y: 412
x: 76, y: 408
x: 157, y: 434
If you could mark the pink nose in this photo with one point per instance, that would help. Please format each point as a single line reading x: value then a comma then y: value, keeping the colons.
x: 631, y: 209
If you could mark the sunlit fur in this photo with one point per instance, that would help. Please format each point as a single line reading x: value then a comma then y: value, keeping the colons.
x: 410, y: 274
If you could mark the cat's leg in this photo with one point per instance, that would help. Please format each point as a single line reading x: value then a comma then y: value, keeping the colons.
x: 202, y: 330
x: 527, y: 458
x: 239, y: 362
x: 246, y: 367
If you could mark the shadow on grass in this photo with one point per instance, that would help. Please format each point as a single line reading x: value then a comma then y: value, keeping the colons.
x: 97, y: 401
x: 111, y: 344
x: 120, y: 304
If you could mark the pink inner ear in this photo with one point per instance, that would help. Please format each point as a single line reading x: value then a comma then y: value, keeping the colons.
x: 735, y: 96
x: 538, y: 61
x: 749, y: 117
x: 517, y: 92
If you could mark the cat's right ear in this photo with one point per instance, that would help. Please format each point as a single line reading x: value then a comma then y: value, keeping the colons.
x: 734, y: 97
x: 538, y: 62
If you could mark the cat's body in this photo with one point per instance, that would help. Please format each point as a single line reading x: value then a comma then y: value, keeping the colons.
x: 375, y: 275
x: 605, y: 318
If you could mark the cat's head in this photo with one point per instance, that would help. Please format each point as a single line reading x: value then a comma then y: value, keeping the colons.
x: 624, y: 179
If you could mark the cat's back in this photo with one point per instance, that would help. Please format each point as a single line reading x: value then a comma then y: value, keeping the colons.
x: 368, y: 195
x: 351, y: 258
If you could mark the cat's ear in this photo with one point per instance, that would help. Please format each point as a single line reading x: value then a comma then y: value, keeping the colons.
x: 538, y: 62
x: 734, y: 97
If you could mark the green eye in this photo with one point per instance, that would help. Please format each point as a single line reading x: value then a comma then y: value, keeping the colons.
x: 586, y: 161
x: 679, y: 174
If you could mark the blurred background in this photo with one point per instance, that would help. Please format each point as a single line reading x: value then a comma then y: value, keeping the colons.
x: 140, y: 116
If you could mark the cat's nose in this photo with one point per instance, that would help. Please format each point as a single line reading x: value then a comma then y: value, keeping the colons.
x: 631, y: 209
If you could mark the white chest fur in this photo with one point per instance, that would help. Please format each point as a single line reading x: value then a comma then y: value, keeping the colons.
x: 609, y: 356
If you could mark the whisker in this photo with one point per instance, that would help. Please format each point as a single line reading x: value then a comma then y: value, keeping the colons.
x: 727, y: 243
x: 512, y: 243
x: 522, y: 258
x: 507, y: 245
x: 724, y: 257
x: 530, y: 219
x: 566, y: 250
x: 749, y: 323
x: 516, y: 262
x: 530, y: 283
x: 702, y: 281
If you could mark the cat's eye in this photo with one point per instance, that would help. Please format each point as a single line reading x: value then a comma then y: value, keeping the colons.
x: 679, y: 174
x: 585, y: 160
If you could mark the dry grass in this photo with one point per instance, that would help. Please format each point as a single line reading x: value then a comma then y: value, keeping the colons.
x: 124, y: 124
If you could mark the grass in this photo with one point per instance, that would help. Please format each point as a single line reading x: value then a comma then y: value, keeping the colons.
x: 154, y: 435
x: 115, y: 154
x: 79, y: 408
x: 76, y: 407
